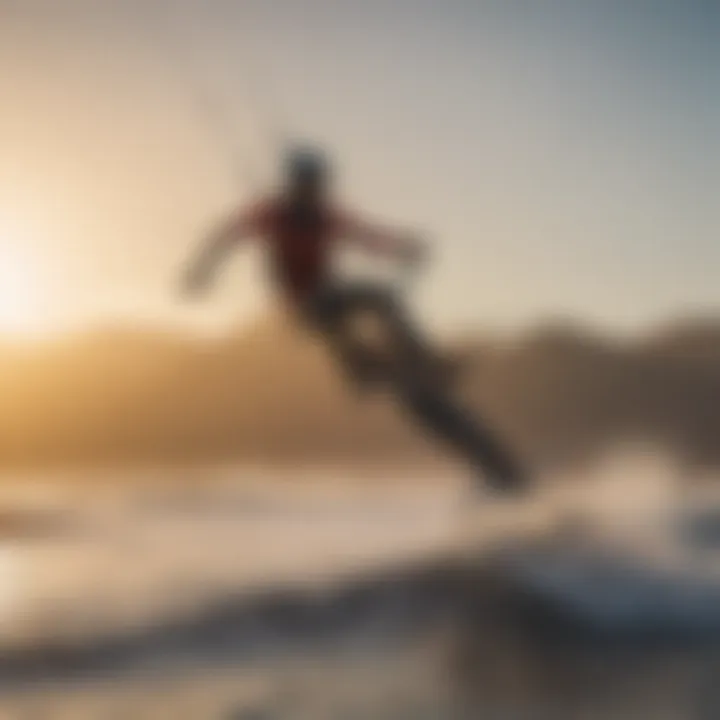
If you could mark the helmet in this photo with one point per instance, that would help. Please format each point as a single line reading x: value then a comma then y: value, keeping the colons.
x: 306, y: 166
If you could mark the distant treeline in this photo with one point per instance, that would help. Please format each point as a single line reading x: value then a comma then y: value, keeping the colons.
x: 558, y: 394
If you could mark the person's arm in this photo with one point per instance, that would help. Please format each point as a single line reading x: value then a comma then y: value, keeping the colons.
x: 373, y: 238
x: 216, y: 248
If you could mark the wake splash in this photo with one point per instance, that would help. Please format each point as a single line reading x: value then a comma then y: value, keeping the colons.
x: 633, y: 552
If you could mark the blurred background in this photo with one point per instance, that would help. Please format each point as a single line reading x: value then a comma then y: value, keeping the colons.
x: 198, y: 517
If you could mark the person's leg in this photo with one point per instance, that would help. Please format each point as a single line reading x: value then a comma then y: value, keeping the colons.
x: 414, y: 346
x: 459, y: 428
x: 335, y: 308
x: 331, y: 312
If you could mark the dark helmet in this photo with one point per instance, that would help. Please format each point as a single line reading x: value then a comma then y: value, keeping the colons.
x: 306, y: 166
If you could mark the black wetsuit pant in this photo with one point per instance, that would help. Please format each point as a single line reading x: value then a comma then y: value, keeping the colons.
x: 332, y: 310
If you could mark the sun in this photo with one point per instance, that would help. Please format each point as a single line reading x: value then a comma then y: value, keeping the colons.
x: 20, y: 292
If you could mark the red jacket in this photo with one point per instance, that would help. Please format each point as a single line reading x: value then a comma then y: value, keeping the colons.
x: 300, y: 242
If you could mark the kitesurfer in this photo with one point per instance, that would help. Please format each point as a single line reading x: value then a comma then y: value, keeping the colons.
x: 301, y: 227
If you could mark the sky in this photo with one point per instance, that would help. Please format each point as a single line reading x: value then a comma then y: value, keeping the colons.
x: 562, y: 156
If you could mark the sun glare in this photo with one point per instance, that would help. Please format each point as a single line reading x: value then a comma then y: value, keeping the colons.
x: 20, y: 292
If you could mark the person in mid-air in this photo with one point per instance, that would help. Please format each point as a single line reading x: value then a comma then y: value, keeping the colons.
x: 301, y: 227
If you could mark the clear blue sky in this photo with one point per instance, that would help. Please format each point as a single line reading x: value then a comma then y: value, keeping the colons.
x: 563, y: 154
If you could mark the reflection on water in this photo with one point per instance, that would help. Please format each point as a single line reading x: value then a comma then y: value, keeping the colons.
x: 278, y: 599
